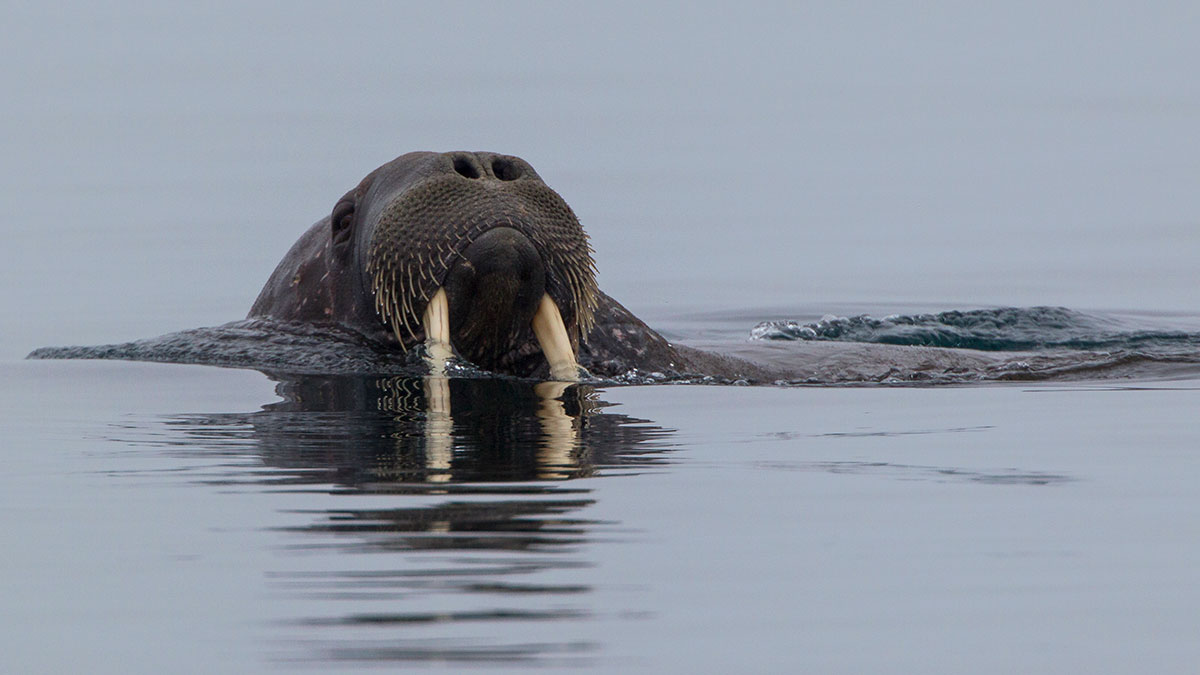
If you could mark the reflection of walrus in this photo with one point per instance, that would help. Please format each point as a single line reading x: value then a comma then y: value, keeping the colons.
x: 469, y: 253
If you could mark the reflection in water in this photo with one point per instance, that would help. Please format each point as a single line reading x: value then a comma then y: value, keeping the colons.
x: 452, y: 487
x: 441, y: 520
x: 402, y: 434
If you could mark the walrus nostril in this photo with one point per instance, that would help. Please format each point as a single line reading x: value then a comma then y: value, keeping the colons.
x: 465, y: 167
x: 506, y: 169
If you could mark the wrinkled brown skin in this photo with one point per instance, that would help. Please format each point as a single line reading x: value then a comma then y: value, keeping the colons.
x: 322, y: 280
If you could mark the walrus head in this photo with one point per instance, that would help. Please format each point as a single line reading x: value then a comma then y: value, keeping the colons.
x: 471, y: 249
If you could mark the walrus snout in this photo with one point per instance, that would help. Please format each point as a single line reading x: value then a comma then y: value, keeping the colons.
x: 493, y: 292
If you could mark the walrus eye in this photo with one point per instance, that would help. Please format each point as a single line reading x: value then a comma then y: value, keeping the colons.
x: 341, y: 221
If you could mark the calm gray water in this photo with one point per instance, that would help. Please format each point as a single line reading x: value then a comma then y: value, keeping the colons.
x: 732, y: 167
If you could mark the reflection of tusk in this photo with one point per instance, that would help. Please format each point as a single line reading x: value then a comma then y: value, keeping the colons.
x: 555, y: 455
x: 437, y: 332
x: 556, y: 345
x: 439, y: 429
x: 439, y: 425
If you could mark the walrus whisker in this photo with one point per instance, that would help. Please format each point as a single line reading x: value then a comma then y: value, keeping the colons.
x: 406, y: 311
x: 395, y: 325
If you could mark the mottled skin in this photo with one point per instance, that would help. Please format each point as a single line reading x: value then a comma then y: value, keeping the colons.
x: 323, y: 278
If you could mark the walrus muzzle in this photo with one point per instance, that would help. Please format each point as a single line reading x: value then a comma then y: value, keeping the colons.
x: 496, y: 269
x: 494, y: 291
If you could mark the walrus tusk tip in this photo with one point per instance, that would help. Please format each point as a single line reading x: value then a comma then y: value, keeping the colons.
x: 437, y: 331
x: 552, y: 335
x: 548, y: 328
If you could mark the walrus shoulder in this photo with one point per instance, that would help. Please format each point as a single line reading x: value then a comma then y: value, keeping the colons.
x: 298, y: 289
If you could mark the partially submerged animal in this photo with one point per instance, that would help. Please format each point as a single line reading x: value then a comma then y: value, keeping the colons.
x: 469, y: 254
x: 462, y: 262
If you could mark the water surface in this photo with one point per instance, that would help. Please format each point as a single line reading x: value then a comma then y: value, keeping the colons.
x: 347, y: 524
x: 733, y: 166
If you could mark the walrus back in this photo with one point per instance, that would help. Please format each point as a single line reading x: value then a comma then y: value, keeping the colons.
x: 299, y: 289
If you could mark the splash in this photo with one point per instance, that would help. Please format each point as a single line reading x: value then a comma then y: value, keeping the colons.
x: 999, y: 330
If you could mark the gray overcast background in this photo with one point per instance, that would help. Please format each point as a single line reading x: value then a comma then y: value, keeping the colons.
x: 159, y: 159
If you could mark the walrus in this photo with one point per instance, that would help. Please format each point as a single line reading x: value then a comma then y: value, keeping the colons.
x: 467, y: 263
x: 468, y: 255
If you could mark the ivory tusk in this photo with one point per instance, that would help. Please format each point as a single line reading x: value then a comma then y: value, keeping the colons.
x: 437, y: 332
x: 556, y: 345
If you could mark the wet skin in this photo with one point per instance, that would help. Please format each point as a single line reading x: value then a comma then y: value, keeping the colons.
x: 470, y: 254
